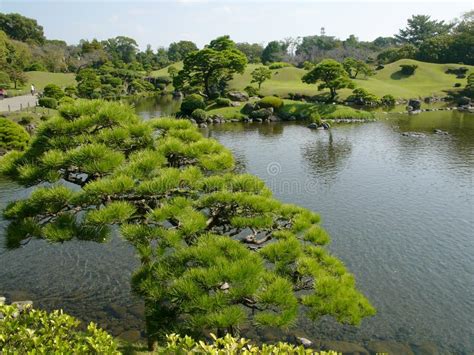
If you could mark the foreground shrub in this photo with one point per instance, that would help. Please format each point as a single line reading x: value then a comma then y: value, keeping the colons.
x: 408, y: 69
x: 177, y: 344
x: 33, y: 331
x: 54, y: 91
x: 271, y: 101
x: 279, y: 65
x: 12, y: 135
x: 48, y: 102
x: 191, y: 103
x: 66, y: 100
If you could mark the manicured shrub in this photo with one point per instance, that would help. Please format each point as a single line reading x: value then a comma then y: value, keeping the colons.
x: 12, y: 136
x: 66, y: 100
x: 191, y: 103
x: 388, y: 100
x: 223, y: 102
x: 32, y: 331
x: 457, y: 85
x: 279, y: 65
x: 48, y: 102
x: 54, y: 91
x: 271, y: 101
x: 199, y: 115
x: 176, y: 344
x: 36, y: 66
x: 408, y: 69
x: 70, y: 91
x: 362, y: 97
x: 251, y: 91
x: 315, y: 117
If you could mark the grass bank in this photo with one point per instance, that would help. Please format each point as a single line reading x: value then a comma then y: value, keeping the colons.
x: 429, y: 80
x: 40, y: 79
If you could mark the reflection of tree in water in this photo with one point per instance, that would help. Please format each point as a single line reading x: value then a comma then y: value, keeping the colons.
x: 326, y: 156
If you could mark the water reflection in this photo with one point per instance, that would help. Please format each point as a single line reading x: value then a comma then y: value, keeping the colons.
x: 156, y: 106
x: 327, y: 155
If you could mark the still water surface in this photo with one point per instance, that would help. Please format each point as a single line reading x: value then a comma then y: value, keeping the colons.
x: 400, y: 211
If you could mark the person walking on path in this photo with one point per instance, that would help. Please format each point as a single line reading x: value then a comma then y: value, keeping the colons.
x: 33, y: 90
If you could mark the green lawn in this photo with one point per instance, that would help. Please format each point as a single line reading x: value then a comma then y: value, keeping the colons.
x: 40, y: 79
x: 429, y: 79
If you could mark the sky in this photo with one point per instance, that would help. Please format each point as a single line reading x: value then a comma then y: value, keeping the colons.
x: 159, y: 22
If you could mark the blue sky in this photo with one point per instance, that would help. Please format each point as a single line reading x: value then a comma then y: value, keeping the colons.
x: 161, y: 22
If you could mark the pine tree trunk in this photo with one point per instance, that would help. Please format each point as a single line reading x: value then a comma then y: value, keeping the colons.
x: 151, y: 338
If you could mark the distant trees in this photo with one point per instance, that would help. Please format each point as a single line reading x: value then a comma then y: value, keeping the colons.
x: 179, y: 50
x: 420, y: 28
x: 121, y: 48
x: 210, y: 69
x: 21, y: 28
x: 331, y: 75
x: 260, y: 75
x: 252, y: 51
x: 275, y: 51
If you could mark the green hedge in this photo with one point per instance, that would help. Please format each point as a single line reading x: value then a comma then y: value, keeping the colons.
x: 271, y: 101
x: 48, y: 102
x: 191, y: 103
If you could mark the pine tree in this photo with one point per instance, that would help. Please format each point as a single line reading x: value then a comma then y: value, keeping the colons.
x: 216, y: 250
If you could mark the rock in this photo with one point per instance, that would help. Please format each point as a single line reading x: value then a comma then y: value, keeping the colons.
x: 130, y: 335
x: 425, y: 349
x: 413, y: 134
x: 409, y: 108
x: 292, y: 118
x: 193, y: 121
x: 440, y: 132
x: 261, y: 113
x: 237, y: 96
x: 343, y: 347
x: 235, y: 104
x: 326, y: 125
x: 258, y: 120
x: 202, y: 125
x: 248, y: 107
x: 304, y: 341
x: 313, y: 125
x: 234, y: 120
x: 389, y: 347
x: 415, y: 104
x: 273, y: 118
x: 30, y: 128
x: 116, y: 310
x: 464, y: 101
x: 225, y: 286
x: 177, y: 94
x: 2, y: 300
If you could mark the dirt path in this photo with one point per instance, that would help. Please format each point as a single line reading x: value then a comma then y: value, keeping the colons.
x: 18, y: 102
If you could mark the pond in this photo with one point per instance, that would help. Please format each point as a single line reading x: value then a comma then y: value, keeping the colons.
x: 399, y: 208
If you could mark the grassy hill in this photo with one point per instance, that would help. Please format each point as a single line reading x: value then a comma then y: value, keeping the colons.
x: 40, y: 79
x: 429, y: 79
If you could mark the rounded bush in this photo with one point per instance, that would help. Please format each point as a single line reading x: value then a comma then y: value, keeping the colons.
x: 26, y: 119
x: 271, y: 101
x: 199, y: 115
x: 251, y: 91
x: 279, y: 65
x: 388, y: 100
x: 36, y: 66
x: 66, y: 100
x: 48, y: 102
x: 457, y: 85
x: 408, y: 69
x: 222, y: 101
x: 12, y: 135
x: 54, y: 91
x: 191, y: 103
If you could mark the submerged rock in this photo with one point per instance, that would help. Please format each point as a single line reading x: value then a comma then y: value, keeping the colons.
x: 389, y: 347
x: 343, y: 347
x: 440, y: 132
x: 313, y: 125
x: 413, y: 134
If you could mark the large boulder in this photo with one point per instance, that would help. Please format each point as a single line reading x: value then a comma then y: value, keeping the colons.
x: 464, y: 101
x: 415, y: 104
x: 237, y: 96
x: 263, y: 113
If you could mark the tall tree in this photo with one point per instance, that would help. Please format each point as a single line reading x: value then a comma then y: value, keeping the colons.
x: 275, y: 51
x: 331, y: 75
x: 420, y: 28
x: 216, y: 250
x: 21, y: 28
x: 252, y: 51
x: 121, y: 48
x: 210, y: 69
